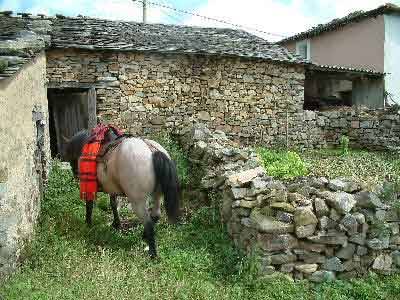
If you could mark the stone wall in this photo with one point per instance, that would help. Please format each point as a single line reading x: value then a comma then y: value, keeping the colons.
x: 312, y: 228
x: 24, y: 156
x: 370, y: 129
x: 251, y: 100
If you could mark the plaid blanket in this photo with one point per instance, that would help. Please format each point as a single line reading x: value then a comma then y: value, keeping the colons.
x: 88, y: 161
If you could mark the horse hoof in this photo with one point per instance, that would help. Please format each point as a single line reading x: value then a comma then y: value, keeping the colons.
x: 152, y: 253
x: 155, y: 219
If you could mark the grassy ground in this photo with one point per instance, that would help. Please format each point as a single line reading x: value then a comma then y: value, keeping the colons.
x: 197, y: 261
x: 370, y: 168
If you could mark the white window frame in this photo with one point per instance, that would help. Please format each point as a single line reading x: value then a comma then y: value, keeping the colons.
x: 302, y: 43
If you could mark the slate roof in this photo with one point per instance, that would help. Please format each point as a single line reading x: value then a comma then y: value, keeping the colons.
x: 97, y: 34
x: 23, y: 36
x: 344, y: 69
x: 20, y: 41
x: 339, y: 23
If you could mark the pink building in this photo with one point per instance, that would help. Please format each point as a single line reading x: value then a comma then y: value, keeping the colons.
x: 368, y: 41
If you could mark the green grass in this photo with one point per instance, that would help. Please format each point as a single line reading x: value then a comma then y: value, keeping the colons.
x: 67, y: 260
x: 370, y: 168
x: 282, y: 164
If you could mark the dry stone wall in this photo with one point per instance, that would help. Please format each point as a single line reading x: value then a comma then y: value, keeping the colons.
x: 24, y: 157
x: 368, y: 129
x: 313, y: 228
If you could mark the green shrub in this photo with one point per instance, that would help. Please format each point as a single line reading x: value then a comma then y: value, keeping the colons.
x: 344, y: 145
x: 177, y: 155
x: 282, y: 164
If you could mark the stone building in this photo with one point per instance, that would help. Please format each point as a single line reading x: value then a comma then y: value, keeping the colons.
x: 151, y: 77
x: 24, y: 146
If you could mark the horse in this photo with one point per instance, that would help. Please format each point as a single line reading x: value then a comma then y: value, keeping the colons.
x: 136, y: 168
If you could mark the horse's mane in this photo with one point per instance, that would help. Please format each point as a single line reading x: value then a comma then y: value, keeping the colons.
x: 73, y: 149
x: 75, y: 145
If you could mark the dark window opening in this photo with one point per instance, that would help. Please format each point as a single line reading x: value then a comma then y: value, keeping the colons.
x: 323, y: 92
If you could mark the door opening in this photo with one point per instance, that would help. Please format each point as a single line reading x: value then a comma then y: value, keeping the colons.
x: 70, y: 110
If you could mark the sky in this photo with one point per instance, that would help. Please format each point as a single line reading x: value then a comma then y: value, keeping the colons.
x: 279, y: 18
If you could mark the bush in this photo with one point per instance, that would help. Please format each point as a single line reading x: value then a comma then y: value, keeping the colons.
x: 282, y: 164
x: 177, y: 155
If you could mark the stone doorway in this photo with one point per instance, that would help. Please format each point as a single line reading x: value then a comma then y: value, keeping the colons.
x: 70, y: 110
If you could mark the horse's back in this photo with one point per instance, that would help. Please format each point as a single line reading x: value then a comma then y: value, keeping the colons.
x: 131, y: 167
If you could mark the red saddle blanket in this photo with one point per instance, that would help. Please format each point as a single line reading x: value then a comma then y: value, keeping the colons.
x: 88, y: 161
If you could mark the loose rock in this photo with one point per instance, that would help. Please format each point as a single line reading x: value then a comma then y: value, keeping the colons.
x: 333, y: 264
x: 322, y: 276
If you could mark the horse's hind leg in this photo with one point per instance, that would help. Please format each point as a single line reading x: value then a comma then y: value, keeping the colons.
x: 142, y: 212
x: 89, y: 210
x: 156, y: 210
x: 114, y: 206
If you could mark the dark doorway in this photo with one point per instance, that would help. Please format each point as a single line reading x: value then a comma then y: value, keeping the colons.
x: 70, y: 110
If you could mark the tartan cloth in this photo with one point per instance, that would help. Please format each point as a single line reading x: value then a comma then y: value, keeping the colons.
x: 88, y: 171
x: 88, y: 161
x: 98, y: 133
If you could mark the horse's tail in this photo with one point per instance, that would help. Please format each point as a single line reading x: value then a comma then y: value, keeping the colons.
x: 167, y: 178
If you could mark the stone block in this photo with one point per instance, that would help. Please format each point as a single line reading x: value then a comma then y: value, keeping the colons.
x: 368, y: 200
x: 268, y: 224
x: 383, y: 263
x: 350, y: 224
x: 245, y: 177
x: 283, y: 258
x: 346, y: 252
x: 378, y: 244
x: 361, y: 251
x: 333, y: 264
x: 329, y: 239
x: 304, y: 216
x: 273, y: 242
x: 321, y: 209
x: 285, y: 217
x: 306, y: 268
x: 341, y: 201
x: 283, y: 206
x: 322, y: 276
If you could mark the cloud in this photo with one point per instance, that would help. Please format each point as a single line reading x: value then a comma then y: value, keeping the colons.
x: 277, y: 16
x: 108, y: 9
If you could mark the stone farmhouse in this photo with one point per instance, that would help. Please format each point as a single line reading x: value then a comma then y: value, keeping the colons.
x: 362, y: 40
x: 59, y: 75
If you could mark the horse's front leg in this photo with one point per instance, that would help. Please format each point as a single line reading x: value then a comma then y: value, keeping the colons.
x: 114, y: 206
x: 89, y: 211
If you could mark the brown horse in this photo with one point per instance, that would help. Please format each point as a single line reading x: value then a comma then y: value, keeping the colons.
x: 135, y: 168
